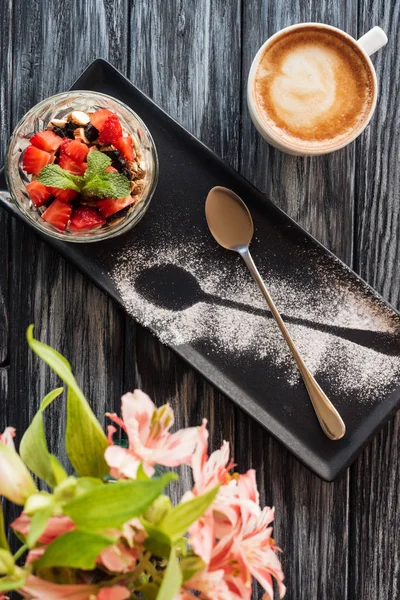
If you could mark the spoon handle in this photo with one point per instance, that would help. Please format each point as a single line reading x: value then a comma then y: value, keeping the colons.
x: 328, y: 417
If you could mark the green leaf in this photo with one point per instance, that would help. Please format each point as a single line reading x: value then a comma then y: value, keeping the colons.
x: 113, y: 504
x: 157, y: 542
x: 172, y: 579
x: 75, y: 549
x: 3, y: 537
x: 97, y: 163
x: 178, y: 521
x: 11, y: 582
x: 190, y: 565
x: 108, y: 185
x: 85, y: 439
x: 55, y: 176
x: 34, y: 451
x: 38, y: 525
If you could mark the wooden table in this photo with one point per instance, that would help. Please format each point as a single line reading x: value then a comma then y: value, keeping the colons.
x: 192, y: 57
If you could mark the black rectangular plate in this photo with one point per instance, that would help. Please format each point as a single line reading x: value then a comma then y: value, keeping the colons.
x: 348, y: 334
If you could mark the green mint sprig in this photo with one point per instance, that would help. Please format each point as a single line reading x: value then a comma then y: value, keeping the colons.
x: 95, y: 182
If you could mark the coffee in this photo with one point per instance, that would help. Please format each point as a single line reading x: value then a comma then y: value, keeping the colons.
x: 313, y: 88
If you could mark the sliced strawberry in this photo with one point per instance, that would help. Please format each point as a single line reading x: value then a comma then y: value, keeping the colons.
x: 125, y: 146
x: 46, y: 140
x: 85, y: 218
x: 38, y: 193
x: 110, y: 206
x: 58, y: 214
x: 34, y: 160
x: 71, y: 166
x: 99, y: 117
x: 75, y: 149
x: 110, y: 131
x: 64, y: 195
x: 110, y: 170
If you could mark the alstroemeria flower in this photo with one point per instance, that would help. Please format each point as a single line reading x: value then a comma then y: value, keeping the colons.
x: 150, y: 442
x: 16, y: 483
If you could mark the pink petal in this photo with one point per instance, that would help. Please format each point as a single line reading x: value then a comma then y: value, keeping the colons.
x: 117, y: 559
x: 177, y: 449
x: 247, y: 486
x: 110, y: 432
x: 137, y: 411
x: 35, y: 554
x: 122, y: 462
x: 16, y: 483
x: 117, y: 592
x: 7, y: 437
x: 200, y: 456
x: 202, y: 538
x: 21, y: 524
x: 39, y: 589
x: 55, y: 527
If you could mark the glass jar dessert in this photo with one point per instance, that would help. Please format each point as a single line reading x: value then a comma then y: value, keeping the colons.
x: 82, y: 167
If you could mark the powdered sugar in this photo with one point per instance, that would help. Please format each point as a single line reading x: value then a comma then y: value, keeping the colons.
x: 334, y: 303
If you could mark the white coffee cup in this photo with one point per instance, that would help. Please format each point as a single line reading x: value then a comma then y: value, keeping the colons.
x: 367, y: 44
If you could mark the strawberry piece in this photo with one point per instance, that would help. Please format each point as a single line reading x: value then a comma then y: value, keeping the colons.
x: 64, y: 195
x: 110, y: 131
x: 85, y: 218
x: 34, y: 160
x: 75, y: 149
x: 46, y: 140
x: 110, y: 170
x: 110, y: 206
x: 99, y: 117
x: 125, y: 146
x: 71, y: 166
x: 38, y: 193
x: 58, y: 214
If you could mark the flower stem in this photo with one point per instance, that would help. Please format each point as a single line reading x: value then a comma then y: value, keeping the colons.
x: 20, y: 552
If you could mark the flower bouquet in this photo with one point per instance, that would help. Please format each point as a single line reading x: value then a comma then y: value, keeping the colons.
x: 109, y: 531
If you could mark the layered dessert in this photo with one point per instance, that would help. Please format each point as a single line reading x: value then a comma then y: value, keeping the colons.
x: 85, y: 171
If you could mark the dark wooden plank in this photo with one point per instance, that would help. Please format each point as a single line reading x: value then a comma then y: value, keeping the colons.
x: 53, y: 42
x: 186, y: 56
x: 5, y: 107
x: 318, y: 193
x: 375, y: 477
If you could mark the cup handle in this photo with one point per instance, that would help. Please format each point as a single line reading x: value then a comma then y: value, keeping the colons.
x: 373, y: 40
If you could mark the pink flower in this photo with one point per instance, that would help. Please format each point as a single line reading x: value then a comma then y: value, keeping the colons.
x: 209, y: 471
x: 16, y: 483
x: 6, y: 438
x: 150, y: 442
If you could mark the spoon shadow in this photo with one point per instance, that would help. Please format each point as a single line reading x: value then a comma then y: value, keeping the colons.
x: 173, y: 288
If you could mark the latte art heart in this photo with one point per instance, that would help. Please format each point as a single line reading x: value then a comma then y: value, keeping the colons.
x: 313, y: 87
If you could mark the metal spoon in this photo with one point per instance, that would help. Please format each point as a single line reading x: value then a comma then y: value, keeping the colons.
x: 231, y: 225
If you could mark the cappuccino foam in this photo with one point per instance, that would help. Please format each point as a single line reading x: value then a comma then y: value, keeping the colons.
x: 313, y: 88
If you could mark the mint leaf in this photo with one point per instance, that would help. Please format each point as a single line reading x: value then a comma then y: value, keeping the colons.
x: 107, y: 185
x: 97, y: 163
x: 55, y: 176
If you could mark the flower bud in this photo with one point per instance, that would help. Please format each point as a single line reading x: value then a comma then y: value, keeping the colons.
x: 16, y: 483
x: 158, y: 510
x: 37, y: 502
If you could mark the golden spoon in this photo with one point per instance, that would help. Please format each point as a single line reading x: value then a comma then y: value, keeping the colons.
x: 231, y: 225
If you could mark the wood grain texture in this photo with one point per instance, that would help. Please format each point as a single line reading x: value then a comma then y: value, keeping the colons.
x: 375, y: 477
x: 193, y: 58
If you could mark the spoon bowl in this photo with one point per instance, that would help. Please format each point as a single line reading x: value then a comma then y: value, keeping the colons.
x: 229, y: 219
